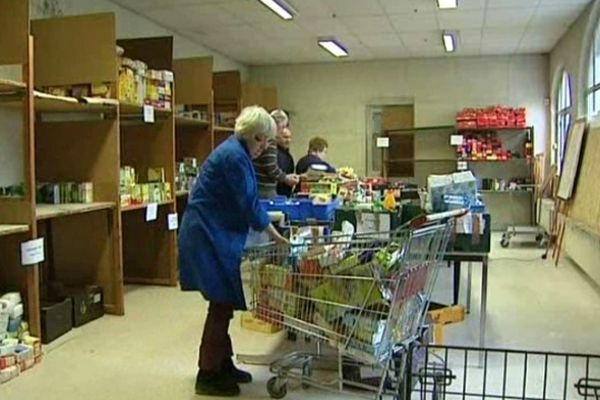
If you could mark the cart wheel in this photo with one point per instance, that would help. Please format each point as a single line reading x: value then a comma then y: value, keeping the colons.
x: 306, y: 373
x: 275, y: 389
x: 505, y: 242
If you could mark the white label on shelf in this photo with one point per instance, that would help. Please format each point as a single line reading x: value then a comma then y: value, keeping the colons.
x: 462, y: 166
x: 173, y: 221
x: 32, y: 252
x: 456, y: 140
x: 383, y: 142
x: 152, y: 211
x: 148, y: 114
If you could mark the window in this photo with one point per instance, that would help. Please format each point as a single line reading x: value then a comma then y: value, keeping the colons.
x: 564, y: 105
x: 593, y: 90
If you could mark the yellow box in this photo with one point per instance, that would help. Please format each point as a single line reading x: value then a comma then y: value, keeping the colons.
x: 254, y: 324
x: 447, y: 315
x: 156, y: 174
x: 145, y: 192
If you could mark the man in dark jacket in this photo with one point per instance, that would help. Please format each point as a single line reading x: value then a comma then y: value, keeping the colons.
x: 285, y: 161
x: 317, y: 152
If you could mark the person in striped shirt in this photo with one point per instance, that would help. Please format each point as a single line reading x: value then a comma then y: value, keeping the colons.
x: 268, y: 173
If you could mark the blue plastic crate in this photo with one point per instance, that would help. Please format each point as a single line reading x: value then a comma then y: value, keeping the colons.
x: 325, y: 212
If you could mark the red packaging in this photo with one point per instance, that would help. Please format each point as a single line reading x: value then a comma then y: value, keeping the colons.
x: 7, y: 361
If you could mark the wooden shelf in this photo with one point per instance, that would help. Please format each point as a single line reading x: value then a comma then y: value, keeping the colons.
x: 136, y: 111
x: 182, y: 193
x: 134, y: 207
x: 48, y: 211
x: 9, y: 87
x: 12, y: 229
x: 185, y: 121
x: 59, y: 104
x: 223, y: 129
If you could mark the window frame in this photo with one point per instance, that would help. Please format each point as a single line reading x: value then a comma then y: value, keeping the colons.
x: 563, y: 119
x: 592, y: 91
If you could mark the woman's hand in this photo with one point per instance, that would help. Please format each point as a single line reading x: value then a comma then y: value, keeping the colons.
x: 276, y: 236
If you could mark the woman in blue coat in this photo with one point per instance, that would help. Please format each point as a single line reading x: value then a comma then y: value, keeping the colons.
x: 222, y: 207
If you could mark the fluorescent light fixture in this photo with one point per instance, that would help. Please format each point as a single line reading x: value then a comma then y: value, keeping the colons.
x: 447, y: 4
x: 280, y: 8
x: 334, y: 47
x: 449, y: 42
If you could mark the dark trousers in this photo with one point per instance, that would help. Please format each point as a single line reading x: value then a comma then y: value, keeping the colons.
x: 216, y: 343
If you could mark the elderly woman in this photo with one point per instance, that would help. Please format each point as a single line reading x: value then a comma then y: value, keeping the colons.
x: 222, y: 207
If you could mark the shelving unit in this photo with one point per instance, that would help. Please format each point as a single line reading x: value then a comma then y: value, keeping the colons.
x: 227, y: 90
x: 193, y: 138
x: 149, y: 248
x: 507, y: 207
x: 426, y: 151
x: 77, y: 140
x: 419, y: 152
x: 17, y: 215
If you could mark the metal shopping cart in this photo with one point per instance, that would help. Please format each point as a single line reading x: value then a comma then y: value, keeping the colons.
x: 451, y: 372
x: 363, y: 295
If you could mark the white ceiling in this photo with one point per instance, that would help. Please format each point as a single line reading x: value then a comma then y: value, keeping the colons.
x: 247, y: 31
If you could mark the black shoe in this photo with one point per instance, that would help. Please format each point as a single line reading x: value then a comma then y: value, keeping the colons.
x: 216, y: 384
x: 236, y: 374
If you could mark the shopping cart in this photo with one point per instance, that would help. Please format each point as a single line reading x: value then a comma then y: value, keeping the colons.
x: 363, y: 295
x: 451, y: 372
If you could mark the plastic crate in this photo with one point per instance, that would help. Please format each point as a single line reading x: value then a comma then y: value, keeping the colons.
x: 325, y: 212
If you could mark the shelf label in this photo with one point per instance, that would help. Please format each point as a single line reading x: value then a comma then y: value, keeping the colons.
x: 456, y: 140
x: 32, y: 252
x: 173, y: 221
x: 152, y: 212
x: 383, y: 142
x: 462, y: 166
x: 148, y: 114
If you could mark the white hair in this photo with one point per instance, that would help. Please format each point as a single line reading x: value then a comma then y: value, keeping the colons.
x: 255, y: 121
x: 280, y: 117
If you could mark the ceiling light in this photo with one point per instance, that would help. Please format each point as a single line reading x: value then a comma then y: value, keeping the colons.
x: 280, y: 8
x: 447, y: 4
x: 334, y: 47
x: 449, y: 42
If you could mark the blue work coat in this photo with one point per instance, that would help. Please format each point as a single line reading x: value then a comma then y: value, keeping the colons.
x: 222, y: 207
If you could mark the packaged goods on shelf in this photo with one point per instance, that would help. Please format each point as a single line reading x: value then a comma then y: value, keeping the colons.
x: 13, y: 191
x: 132, y: 192
x: 98, y: 90
x: 491, y: 117
x: 159, y: 92
x: 198, y: 112
x: 187, y: 173
x: 488, y: 147
x: 65, y: 193
x: 225, y: 118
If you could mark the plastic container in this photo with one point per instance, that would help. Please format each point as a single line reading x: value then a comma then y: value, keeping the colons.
x: 325, y: 212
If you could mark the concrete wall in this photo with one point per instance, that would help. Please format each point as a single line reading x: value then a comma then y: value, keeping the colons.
x: 331, y: 99
x: 572, y: 53
x: 131, y: 25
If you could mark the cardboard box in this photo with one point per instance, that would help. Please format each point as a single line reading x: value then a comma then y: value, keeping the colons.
x: 254, y: 324
x: 57, y: 319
